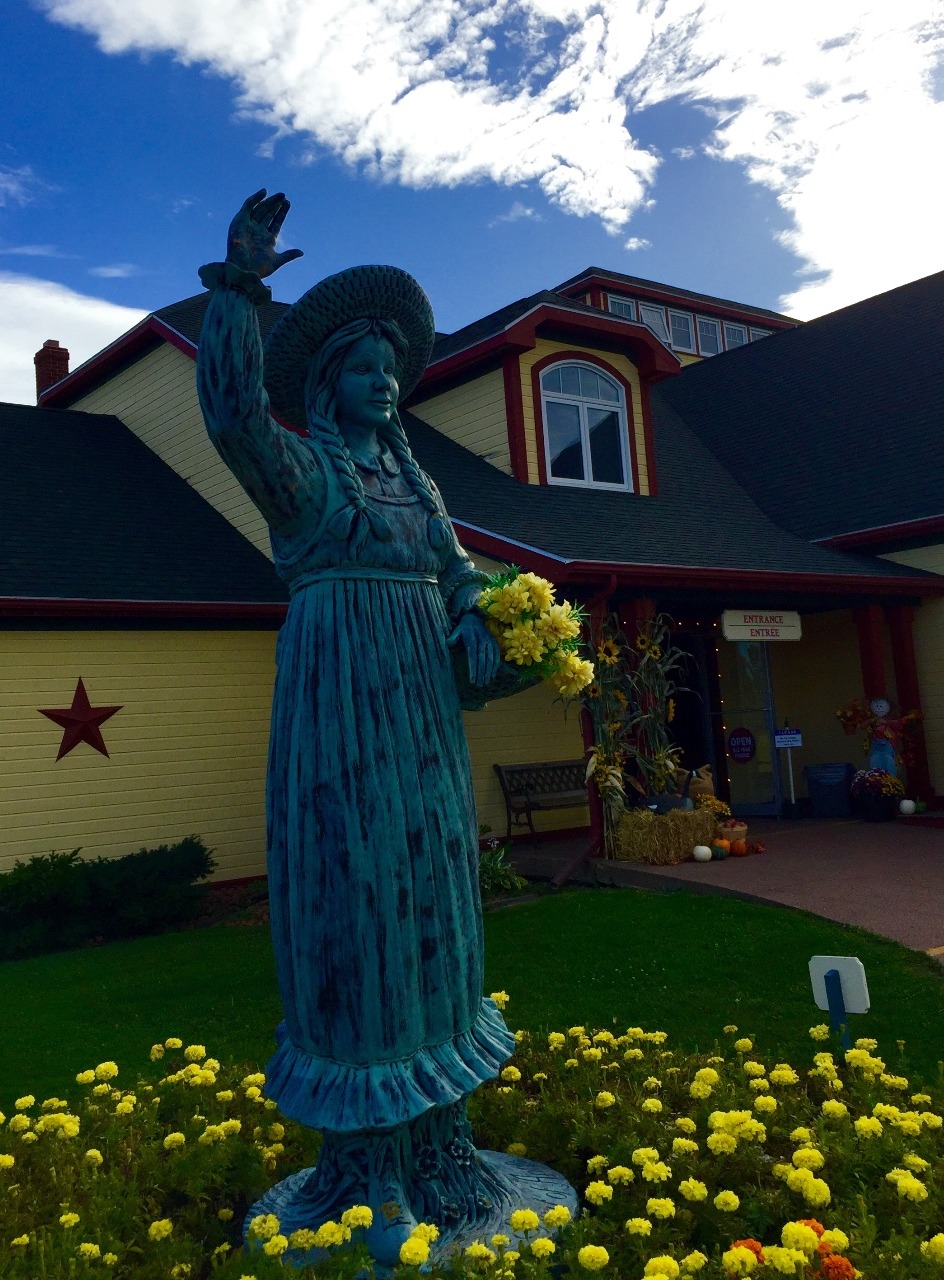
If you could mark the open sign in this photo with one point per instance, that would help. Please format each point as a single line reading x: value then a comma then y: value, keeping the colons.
x: 741, y: 745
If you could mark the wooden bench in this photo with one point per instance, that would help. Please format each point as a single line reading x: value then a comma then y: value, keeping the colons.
x: 558, y: 784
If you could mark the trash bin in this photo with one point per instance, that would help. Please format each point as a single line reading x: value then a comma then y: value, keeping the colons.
x: 828, y: 785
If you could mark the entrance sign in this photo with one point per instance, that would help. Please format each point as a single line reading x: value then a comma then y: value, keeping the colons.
x: 851, y: 970
x: 760, y: 624
x: 789, y: 738
x: 741, y: 745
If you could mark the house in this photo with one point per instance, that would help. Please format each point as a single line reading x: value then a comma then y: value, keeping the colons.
x: 649, y: 449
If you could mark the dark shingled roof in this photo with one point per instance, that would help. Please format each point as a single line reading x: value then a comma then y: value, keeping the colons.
x: 836, y: 426
x: 90, y: 513
x: 636, y: 282
x: 186, y: 317
x: 700, y: 518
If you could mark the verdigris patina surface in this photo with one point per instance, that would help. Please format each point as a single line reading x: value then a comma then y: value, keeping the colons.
x: 372, y: 834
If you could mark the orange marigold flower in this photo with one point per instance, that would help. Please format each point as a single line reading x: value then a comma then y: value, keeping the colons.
x: 812, y: 1224
x: 836, y: 1267
x: 755, y: 1247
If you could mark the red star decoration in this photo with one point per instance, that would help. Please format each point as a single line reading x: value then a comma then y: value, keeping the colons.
x: 81, y: 722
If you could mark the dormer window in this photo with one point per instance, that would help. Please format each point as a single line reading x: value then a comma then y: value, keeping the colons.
x: 586, y: 435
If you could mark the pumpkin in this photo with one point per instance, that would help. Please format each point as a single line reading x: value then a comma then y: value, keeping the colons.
x: 739, y: 848
x: 701, y: 853
x: 719, y: 850
x: 722, y: 843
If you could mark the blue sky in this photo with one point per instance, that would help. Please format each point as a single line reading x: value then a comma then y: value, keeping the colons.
x: 492, y: 147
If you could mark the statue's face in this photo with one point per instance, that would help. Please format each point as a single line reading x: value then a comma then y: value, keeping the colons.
x: 367, y: 388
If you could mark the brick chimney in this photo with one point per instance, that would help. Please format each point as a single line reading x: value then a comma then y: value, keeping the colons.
x: 52, y: 364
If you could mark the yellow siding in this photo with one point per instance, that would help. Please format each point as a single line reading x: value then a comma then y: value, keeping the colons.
x: 474, y: 416
x: 156, y: 398
x: 544, y: 347
x: 520, y: 730
x: 811, y: 678
x: 187, y: 752
x: 929, y: 652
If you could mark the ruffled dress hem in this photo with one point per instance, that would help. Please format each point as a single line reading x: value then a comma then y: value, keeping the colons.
x: 336, y: 1096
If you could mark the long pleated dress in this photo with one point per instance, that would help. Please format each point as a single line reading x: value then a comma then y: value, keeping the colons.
x: 372, y: 834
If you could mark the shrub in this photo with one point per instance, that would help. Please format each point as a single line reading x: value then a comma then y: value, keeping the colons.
x: 644, y: 836
x: 60, y: 900
x: 496, y: 873
x: 684, y: 1162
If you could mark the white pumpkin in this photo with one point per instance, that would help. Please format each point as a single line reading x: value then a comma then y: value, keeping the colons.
x: 907, y: 807
x: 701, y: 853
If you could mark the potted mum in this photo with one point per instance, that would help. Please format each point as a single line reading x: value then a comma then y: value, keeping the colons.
x: 875, y: 795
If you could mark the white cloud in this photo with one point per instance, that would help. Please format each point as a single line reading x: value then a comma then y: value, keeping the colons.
x: 827, y: 105
x: 516, y: 213
x: 636, y: 242
x: 34, y: 251
x: 116, y: 271
x: 18, y: 185
x: 32, y: 310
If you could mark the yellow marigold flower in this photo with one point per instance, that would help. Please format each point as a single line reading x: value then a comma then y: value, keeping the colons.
x: 834, y: 1110
x: 639, y: 1226
x: 644, y: 1155
x: 866, y: 1042
x: 783, y: 1073
x: 276, y: 1246
x: 596, y: 1164
x: 556, y: 1041
x: 684, y: 1147
x: 93, y: 1157
x: 160, y: 1229
x: 695, y: 1260
x: 557, y: 1216
x: 576, y: 1032
x: 539, y: 1076
x: 837, y: 1240
x: 868, y: 1127
x: 663, y: 1266
x: 744, y: 1045
x: 651, y: 1105
x: 593, y: 1257
x: 543, y: 1247
x: 632, y: 1055
x: 656, y: 1171
x: 721, y: 1143
x: 527, y: 1219
x: 597, y: 1193
x: 591, y: 1054
x: 124, y: 1109
x: 225, y: 1215
x: 539, y: 589
x: 7, y: 1162
x: 765, y: 1104
x: 816, y: 1193
x: 808, y: 1158
x: 752, y: 1068
x: 24, y: 1103
x: 907, y: 1185
x: 501, y: 998
x: 29, y: 1137
x: 604, y: 1100
x: 686, y: 1124
x: 157, y: 1052
x: 652, y: 1084
x: 173, y: 1042
x: 254, y: 1079
x: 181, y: 1270
x: 785, y: 1261
x: 109, y: 1259
x: 915, y: 1163
x: 500, y: 1241
x: 727, y: 1201
x: 820, y: 1031
x: 620, y: 1175
x: 101, y: 1090
x: 730, y: 1029
x: 331, y: 1235
x: 739, y: 1261
x: 253, y: 1092
x: 221, y: 1250
x: 479, y: 1252
x: 89, y: 1251
x: 20, y: 1242
x: 425, y: 1231
x: 512, y: 1074
x: 797, y: 1235
x: 85, y: 1077
x: 759, y: 1085
x: 699, y: 1089
x: 693, y: 1190
x: 414, y: 1252
x: 707, y: 1075
x: 933, y: 1248
x: 359, y: 1215
x: 174, y: 1140
x: 195, y: 1052
x: 660, y: 1208
x: 106, y: 1071
x: 68, y: 1220
x: 516, y: 1149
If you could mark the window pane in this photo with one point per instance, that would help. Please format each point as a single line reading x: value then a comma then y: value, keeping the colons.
x: 622, y: 307
x: 570, y: 379
x: 550, y: 381
x: 709, y: 337
x: 589, y: 384
x: 683, y: 331
x: 654, y: 317
x: 606, y: 455
x: 735, y: 335
x: 608, y: 390
x: 756, y: 334
x: 563, y: 439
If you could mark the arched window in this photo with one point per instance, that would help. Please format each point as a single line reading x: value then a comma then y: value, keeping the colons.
x: 585, y: 428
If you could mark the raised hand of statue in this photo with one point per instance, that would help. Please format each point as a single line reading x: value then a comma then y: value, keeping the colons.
x: 481, y: 648
x: 254, y: 231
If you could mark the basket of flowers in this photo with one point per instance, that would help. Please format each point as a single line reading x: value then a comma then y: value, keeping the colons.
x: 875, y: 795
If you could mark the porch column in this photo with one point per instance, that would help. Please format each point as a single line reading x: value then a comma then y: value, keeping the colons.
x: 632, y: 615
x: 901, y: 626
x: 868, y: 620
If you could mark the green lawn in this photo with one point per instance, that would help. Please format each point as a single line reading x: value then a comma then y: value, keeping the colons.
x: 676, y: 962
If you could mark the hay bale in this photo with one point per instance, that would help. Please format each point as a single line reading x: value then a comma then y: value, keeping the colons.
x: 662, y: 839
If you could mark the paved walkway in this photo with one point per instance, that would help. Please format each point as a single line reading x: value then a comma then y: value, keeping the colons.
x: 887, y: 877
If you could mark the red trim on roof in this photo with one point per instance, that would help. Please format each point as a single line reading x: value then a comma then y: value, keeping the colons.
x: 64, y: 393
x: 144, y: 610
x: 668, y: 296
x: 886, y: 533
x: 656, y: 576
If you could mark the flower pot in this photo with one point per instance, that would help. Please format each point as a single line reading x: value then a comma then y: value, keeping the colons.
x: 872, y: 808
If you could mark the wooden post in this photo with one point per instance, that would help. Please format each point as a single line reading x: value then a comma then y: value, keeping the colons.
x: 868, y: 620
x: 901, y: 626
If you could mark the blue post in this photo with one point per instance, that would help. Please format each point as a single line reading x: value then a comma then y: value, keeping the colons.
x: 837, y: 1009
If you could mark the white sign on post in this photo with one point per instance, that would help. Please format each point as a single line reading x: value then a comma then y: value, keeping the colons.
x: 760, y: 624
x: 788, y: 739
x: 855, y: 989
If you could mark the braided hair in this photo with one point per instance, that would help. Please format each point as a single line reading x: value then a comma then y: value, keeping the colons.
x: 356, y: 517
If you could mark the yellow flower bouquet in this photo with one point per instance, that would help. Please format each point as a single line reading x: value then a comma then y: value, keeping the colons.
x: 539, y: 638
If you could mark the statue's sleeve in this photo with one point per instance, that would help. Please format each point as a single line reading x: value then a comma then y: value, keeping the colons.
x: 278, y: 470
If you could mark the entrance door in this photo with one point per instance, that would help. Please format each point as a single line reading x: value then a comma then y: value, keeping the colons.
x: 749, y: 721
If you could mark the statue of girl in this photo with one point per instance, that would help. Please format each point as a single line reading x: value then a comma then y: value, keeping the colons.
x: 371, y: 826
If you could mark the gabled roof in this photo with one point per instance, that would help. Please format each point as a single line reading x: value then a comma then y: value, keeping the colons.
x: 90, y: 514
x: 600, y: 276
x: 186, y: 316
x: 702, y: 527
x: 834, y: 427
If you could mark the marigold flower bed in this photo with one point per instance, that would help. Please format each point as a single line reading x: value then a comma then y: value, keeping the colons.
x: 721, y: 1165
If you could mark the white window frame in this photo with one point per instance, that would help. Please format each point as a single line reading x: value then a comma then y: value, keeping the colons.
x: 757, y: 334
x: 583, y: 404
x: 652, y: 306
x: 732, y: 324
x: 699, y: 320
x: 621, y: 302
x: 684, y: 315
